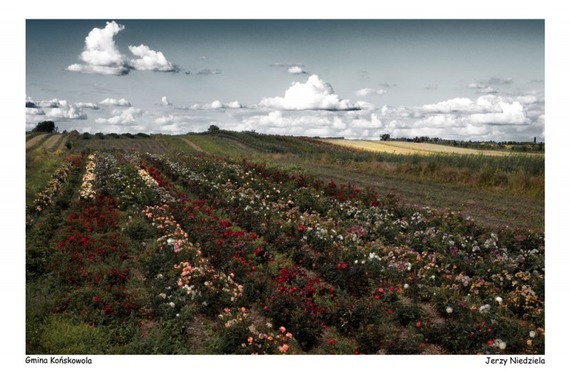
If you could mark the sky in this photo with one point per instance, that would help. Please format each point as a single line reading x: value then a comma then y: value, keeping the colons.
x: 358, y: 79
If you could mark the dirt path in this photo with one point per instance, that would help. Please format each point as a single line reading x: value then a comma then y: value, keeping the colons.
x: 486, y: 208
x: 193, y: 145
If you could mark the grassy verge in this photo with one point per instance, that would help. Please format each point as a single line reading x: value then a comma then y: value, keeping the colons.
x: 40, y: 165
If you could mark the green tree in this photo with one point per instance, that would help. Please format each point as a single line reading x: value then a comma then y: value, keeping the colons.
x: 45, y: 126
x: 213, y: 129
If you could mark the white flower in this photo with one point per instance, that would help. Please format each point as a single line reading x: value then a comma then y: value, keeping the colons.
x: 532, y: 334
x: 484, y: 309
x: 499, y: 300
x: 449, y: 310
x: 406, y: 286
x: 171, y: 304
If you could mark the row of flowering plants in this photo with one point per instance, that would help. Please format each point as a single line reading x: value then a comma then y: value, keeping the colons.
x: 445, y: 267
x: 188, y: 277
x: 46, y: 197
x: 242, y: 258
x: 92, y: 257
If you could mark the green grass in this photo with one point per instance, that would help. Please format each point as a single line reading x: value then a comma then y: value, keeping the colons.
x: 216, y: 145
x: 40, y: 165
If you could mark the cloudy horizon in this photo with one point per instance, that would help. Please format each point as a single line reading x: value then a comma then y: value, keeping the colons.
x: 452, y: 79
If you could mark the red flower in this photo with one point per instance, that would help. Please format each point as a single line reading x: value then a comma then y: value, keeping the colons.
x: 419, y: 324
x: 490, y: 342
x: 331, y: 342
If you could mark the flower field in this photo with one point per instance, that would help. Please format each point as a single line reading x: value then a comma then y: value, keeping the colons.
x: 171, y: 253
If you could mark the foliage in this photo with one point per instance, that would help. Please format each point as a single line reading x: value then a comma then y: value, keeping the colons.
x: 45, y: 126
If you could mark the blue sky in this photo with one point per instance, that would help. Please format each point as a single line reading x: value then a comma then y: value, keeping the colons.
x: 456, y: 79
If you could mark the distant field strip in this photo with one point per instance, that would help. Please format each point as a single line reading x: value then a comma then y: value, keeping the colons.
x: 36, y: 140
x: 54, y: 142
x: 404, y: 147
x: 137, y: 144
x: 193, y: 145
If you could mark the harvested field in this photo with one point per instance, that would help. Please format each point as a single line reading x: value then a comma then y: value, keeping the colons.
x: 404, y: 147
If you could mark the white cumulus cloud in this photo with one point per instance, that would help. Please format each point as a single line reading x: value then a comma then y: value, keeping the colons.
x: 314, y: 94
x: 164, y: 101
x: 115, y: 102
x: 101, y: 55
x: 296, y: 70
x: 369, y: 91
x: 92, y: 106
x: 55, y: 110
x: 127, y: 116
x: 217, y: 105
x: 149, y: 59
x: 511, y: 113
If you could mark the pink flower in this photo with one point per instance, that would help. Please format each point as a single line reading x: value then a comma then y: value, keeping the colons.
x: 284, y: 348
x: 250, y: 340
x: 419, y: 324
x: 282, y: 329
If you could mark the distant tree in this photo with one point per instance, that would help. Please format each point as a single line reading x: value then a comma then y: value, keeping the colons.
x: 213, y: 129
x: 45, y: 126
x: 385, y: 137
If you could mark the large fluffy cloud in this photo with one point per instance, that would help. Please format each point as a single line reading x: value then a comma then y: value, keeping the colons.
x: 314, y: 94
x: 488, y: 109
x: 149, y: 59
x: 101, y: 55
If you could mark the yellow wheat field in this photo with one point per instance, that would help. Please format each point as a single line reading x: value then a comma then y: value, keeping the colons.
x: 404, y: 147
